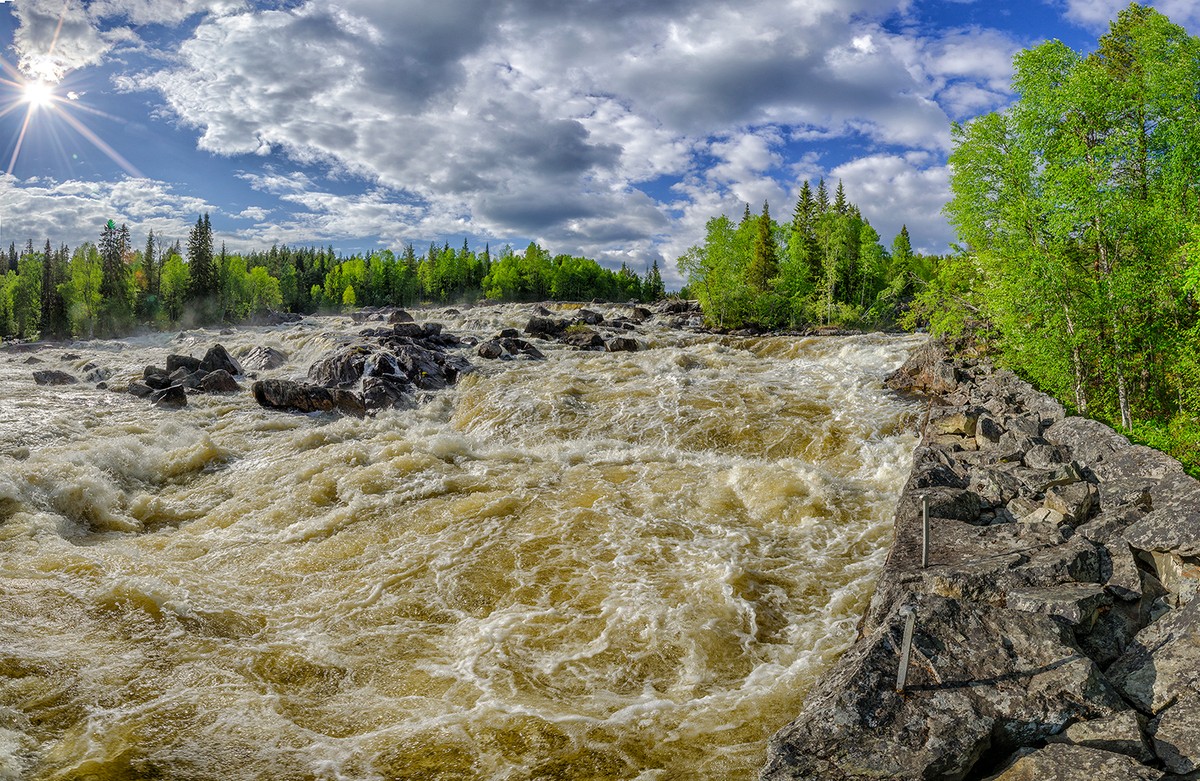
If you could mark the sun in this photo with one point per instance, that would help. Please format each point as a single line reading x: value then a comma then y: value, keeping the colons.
x: 38, y: 94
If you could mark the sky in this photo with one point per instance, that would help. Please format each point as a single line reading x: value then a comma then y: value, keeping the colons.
x: 612, y: 129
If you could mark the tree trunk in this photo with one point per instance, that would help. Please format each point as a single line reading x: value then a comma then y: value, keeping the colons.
x: 1076, y: 365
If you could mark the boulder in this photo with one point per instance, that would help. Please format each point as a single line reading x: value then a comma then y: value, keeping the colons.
x: 305, y: 397
x: 982, y: 678
x: 491, y: 349
x: 1065, y: 762
x: 1176, y: 735
x: 589, y: 317
x: 583, y: 339
x: 622, y: 344
x: 399, y: 316
x: 176, y: 362
x: 1120, y: 734
x: 264, y: 359
x: 386, y: 392
x: 1076, y: 501
x: 219, y: 381
x: 156, y: 378
x: 173, y: 397
x: 218, y: 358
x: 927, y: 370
x: 140, y: 389
x: 1160, y: 665
x: 342, y: 368
x: 1090, y: 440
x: 187, y: 379
x: 545, y: 327
x: 53, y: 377
x: 640, y: 314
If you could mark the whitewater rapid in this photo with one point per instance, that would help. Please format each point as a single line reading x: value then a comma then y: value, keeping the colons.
x: 597, y: 566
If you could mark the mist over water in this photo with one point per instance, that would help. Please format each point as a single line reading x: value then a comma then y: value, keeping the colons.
x: 599, y: 566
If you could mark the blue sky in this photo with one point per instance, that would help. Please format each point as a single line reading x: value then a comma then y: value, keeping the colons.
x: 609, y: 128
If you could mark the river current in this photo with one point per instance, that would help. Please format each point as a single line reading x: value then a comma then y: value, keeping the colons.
x: 597, y: 566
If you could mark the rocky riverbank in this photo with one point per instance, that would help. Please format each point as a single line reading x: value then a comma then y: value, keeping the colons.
x: 1056, y: 632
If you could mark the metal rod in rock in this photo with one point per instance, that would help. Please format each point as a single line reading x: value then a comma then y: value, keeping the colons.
x: 910, y: 621
x: 924, y: 532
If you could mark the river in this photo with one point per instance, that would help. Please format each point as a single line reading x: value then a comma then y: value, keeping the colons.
x: 597, y: 566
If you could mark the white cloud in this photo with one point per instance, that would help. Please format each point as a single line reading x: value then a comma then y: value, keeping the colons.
x: 893, y: 190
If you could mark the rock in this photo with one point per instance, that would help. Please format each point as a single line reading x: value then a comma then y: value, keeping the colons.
x: 1176, y: 735
x: 176, y: 362
x: 545, y: 327
x: 409, y: 330
x: 342, y: 368
x: 188, y: 379
x: 1063, y: 762
x: 219, y: 381
x: 491, y: 349
x: 98, y: 373
x: 959, y: 421
x: 218, y: 358
x: 304, y: 397
x: 1171, y: 530
x: 264, y: 359
x: 140, y: 389
x: 509, y: 333
x: 1076, y: 501
x: 927, y: 370
x: 1120, y: 734
x: 622, y: 344
x: 590, y: 317
x: 1079, y: 604
x: 173, y: 397
x: 399, y: 316
x: 1044, y: 515
x: 1090, y: 440
x: 386, y: 392
x: 53, y: 377
x: 957, y: 503
x: 583, y: 339
x: 995, y: 487
x: 1046, y: 456
x: 640, y: 314
x: 1160, y: 665
x: 987, y: 431
x: 1025, y: 682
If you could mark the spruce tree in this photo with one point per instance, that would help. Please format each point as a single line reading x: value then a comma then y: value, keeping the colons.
x: 839, y: 200
x: 202, y: 265
x: 822, y: 198
x: 764, y: 262
x: 115, y: 309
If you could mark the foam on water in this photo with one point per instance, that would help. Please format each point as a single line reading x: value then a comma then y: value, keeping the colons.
x: 600, y: 566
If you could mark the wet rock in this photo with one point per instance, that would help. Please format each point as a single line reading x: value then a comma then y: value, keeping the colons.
x: 219, y: 381
x: 97, y: 373
x: 156, y: 378
x: 386, y: 392
x: 1063, y: 762
x: 640, y: 314
x: 546, y: 327
x: 173, y: 397
x: 399, y: 316
x: 342, y: 368
x: 507, y: 347
x: 218, y: 358
x: 622, y: 344
x: 140, y: 389
x: 176, y: 362
x: 583, y: 339
x: 589, y: 317
x: 305, y: 397
x: 189, y: 380
x: 264, y: 359
x: 33, y: 360
x: 53, y: 377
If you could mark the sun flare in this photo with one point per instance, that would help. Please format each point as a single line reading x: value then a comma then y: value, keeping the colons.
x: 38, y: 93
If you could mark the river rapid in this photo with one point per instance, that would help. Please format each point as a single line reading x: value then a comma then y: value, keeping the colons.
x: 597, y: 566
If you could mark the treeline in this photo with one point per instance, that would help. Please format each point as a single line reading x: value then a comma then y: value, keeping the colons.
x: 825, y: 266
x: 1079, y: 209
x: 109, y: 288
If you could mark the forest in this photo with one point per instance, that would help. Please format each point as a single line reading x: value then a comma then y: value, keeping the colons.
x: 109, y: 288
x: 1078, y: 209
x: 826, y: 266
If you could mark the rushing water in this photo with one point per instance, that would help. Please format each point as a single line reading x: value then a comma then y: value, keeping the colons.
x: 599, y: 566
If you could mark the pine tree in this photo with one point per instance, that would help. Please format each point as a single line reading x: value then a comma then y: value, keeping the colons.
x: 839, y: 200
x: 54, y: 323
x: 653, y: 288
x: 822, y: 198
x: 150, y: 267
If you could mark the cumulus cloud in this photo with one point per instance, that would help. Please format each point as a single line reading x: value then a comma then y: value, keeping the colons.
x: 897, y: 190
x: 611, y: 129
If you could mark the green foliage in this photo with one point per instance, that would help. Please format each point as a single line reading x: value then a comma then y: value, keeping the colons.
x: 826, y: 266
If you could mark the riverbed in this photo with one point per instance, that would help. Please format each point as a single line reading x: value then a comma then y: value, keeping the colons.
x: 596, y: 566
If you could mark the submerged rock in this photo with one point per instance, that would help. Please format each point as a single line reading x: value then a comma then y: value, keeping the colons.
x: 53, y: 377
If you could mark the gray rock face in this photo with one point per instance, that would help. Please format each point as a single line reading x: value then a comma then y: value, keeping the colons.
x: 217, y: 359
x: 173, y: 397
x: 1064, y: 566
x: 1062, y: 762
x: 219, y: 381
